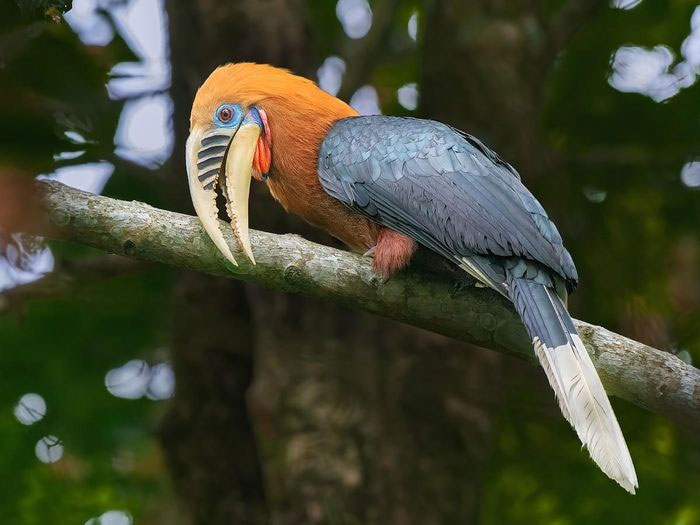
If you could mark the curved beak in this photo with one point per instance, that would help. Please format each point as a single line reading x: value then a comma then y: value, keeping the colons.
x: 223, y: 157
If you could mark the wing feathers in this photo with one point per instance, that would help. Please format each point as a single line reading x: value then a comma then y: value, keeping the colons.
x: 439, y: 176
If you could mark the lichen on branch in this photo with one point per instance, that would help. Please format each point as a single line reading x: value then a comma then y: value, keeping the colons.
x: 647, y: 377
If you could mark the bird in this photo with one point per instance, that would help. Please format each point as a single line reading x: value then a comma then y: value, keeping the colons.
x: 384, y: 186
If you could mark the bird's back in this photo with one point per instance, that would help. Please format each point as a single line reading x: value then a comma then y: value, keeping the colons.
x: 440, y: 186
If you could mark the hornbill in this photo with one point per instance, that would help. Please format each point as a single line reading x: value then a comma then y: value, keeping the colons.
x: 384, y: 185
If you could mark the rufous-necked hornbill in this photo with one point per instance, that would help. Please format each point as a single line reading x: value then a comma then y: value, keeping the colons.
x: 386, y: 185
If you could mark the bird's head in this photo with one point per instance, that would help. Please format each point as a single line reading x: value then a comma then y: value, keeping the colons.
x: 246, y: 118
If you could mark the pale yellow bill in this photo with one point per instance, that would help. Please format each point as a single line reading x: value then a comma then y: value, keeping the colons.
x: 239, y: 169
x: 204, y: 200
x: 205, y: 169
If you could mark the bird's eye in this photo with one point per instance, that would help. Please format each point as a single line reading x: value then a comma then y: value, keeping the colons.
x: 225, y: 114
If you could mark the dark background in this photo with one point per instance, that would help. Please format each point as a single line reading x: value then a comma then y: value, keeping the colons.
x: 290, y: 410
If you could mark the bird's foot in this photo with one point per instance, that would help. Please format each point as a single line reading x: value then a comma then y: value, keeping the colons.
x: 377, y: 276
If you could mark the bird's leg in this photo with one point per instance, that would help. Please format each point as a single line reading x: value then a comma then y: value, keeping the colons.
x: 392, y: 253
x: 370, y: 253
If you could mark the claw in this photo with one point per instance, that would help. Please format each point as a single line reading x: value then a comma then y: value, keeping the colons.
x: 380, y: 279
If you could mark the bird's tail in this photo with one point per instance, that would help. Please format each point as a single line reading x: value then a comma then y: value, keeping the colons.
x: 573, y: 377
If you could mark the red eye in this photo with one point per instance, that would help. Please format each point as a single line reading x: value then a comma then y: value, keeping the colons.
x: 225, y: 114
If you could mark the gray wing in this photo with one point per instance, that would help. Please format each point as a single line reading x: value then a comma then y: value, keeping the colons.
x: 446, y: 190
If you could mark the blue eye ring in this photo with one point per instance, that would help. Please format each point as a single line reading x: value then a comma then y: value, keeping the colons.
x: 228, y: 115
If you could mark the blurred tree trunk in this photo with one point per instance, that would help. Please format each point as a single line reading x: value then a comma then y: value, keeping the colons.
x: 485, y: 67
x: 357, y: 419
x: 207, y: 435
x: 482, y: 72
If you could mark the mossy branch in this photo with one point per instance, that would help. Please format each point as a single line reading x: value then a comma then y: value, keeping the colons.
x: 647, y: 377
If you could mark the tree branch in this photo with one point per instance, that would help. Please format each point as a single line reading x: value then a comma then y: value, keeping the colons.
x: 650, y: 378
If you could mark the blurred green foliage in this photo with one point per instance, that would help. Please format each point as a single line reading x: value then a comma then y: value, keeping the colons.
x: 62, y: 350
x: 637, y: 250
x: 53, y: 84
x: 43, y: 8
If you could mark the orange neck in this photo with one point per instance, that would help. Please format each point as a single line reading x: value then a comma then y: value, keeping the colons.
x: 298, y: 115
x: 297, y: 131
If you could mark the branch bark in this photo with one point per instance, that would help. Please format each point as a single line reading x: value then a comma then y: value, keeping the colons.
x: 647, y: 377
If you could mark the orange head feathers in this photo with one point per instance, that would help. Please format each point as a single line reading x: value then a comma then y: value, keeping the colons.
x: 251, y: 120
x: 250, y: 84
x: 298, y: 112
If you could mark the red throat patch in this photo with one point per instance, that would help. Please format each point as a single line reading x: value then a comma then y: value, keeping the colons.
x: 262, y: 158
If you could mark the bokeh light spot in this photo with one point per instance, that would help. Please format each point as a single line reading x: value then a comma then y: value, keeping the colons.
x: 30, y: 408
x: 49, y: 449
x: 366, y: 101
x: 162, y: 382
x: 355, y: 17
x: 90, y: 177
x: 112, y: 517
x: 330, y: 74
x: 595, y: 195
x: 130, y: 380
x: 413, y: 26
x: 91, y: 26
x: 690, y: 174
x: 644, y: 71
x: 408, y: 96
x: 625, y: 4
x: 140, y: 135
x: 136, y: 379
